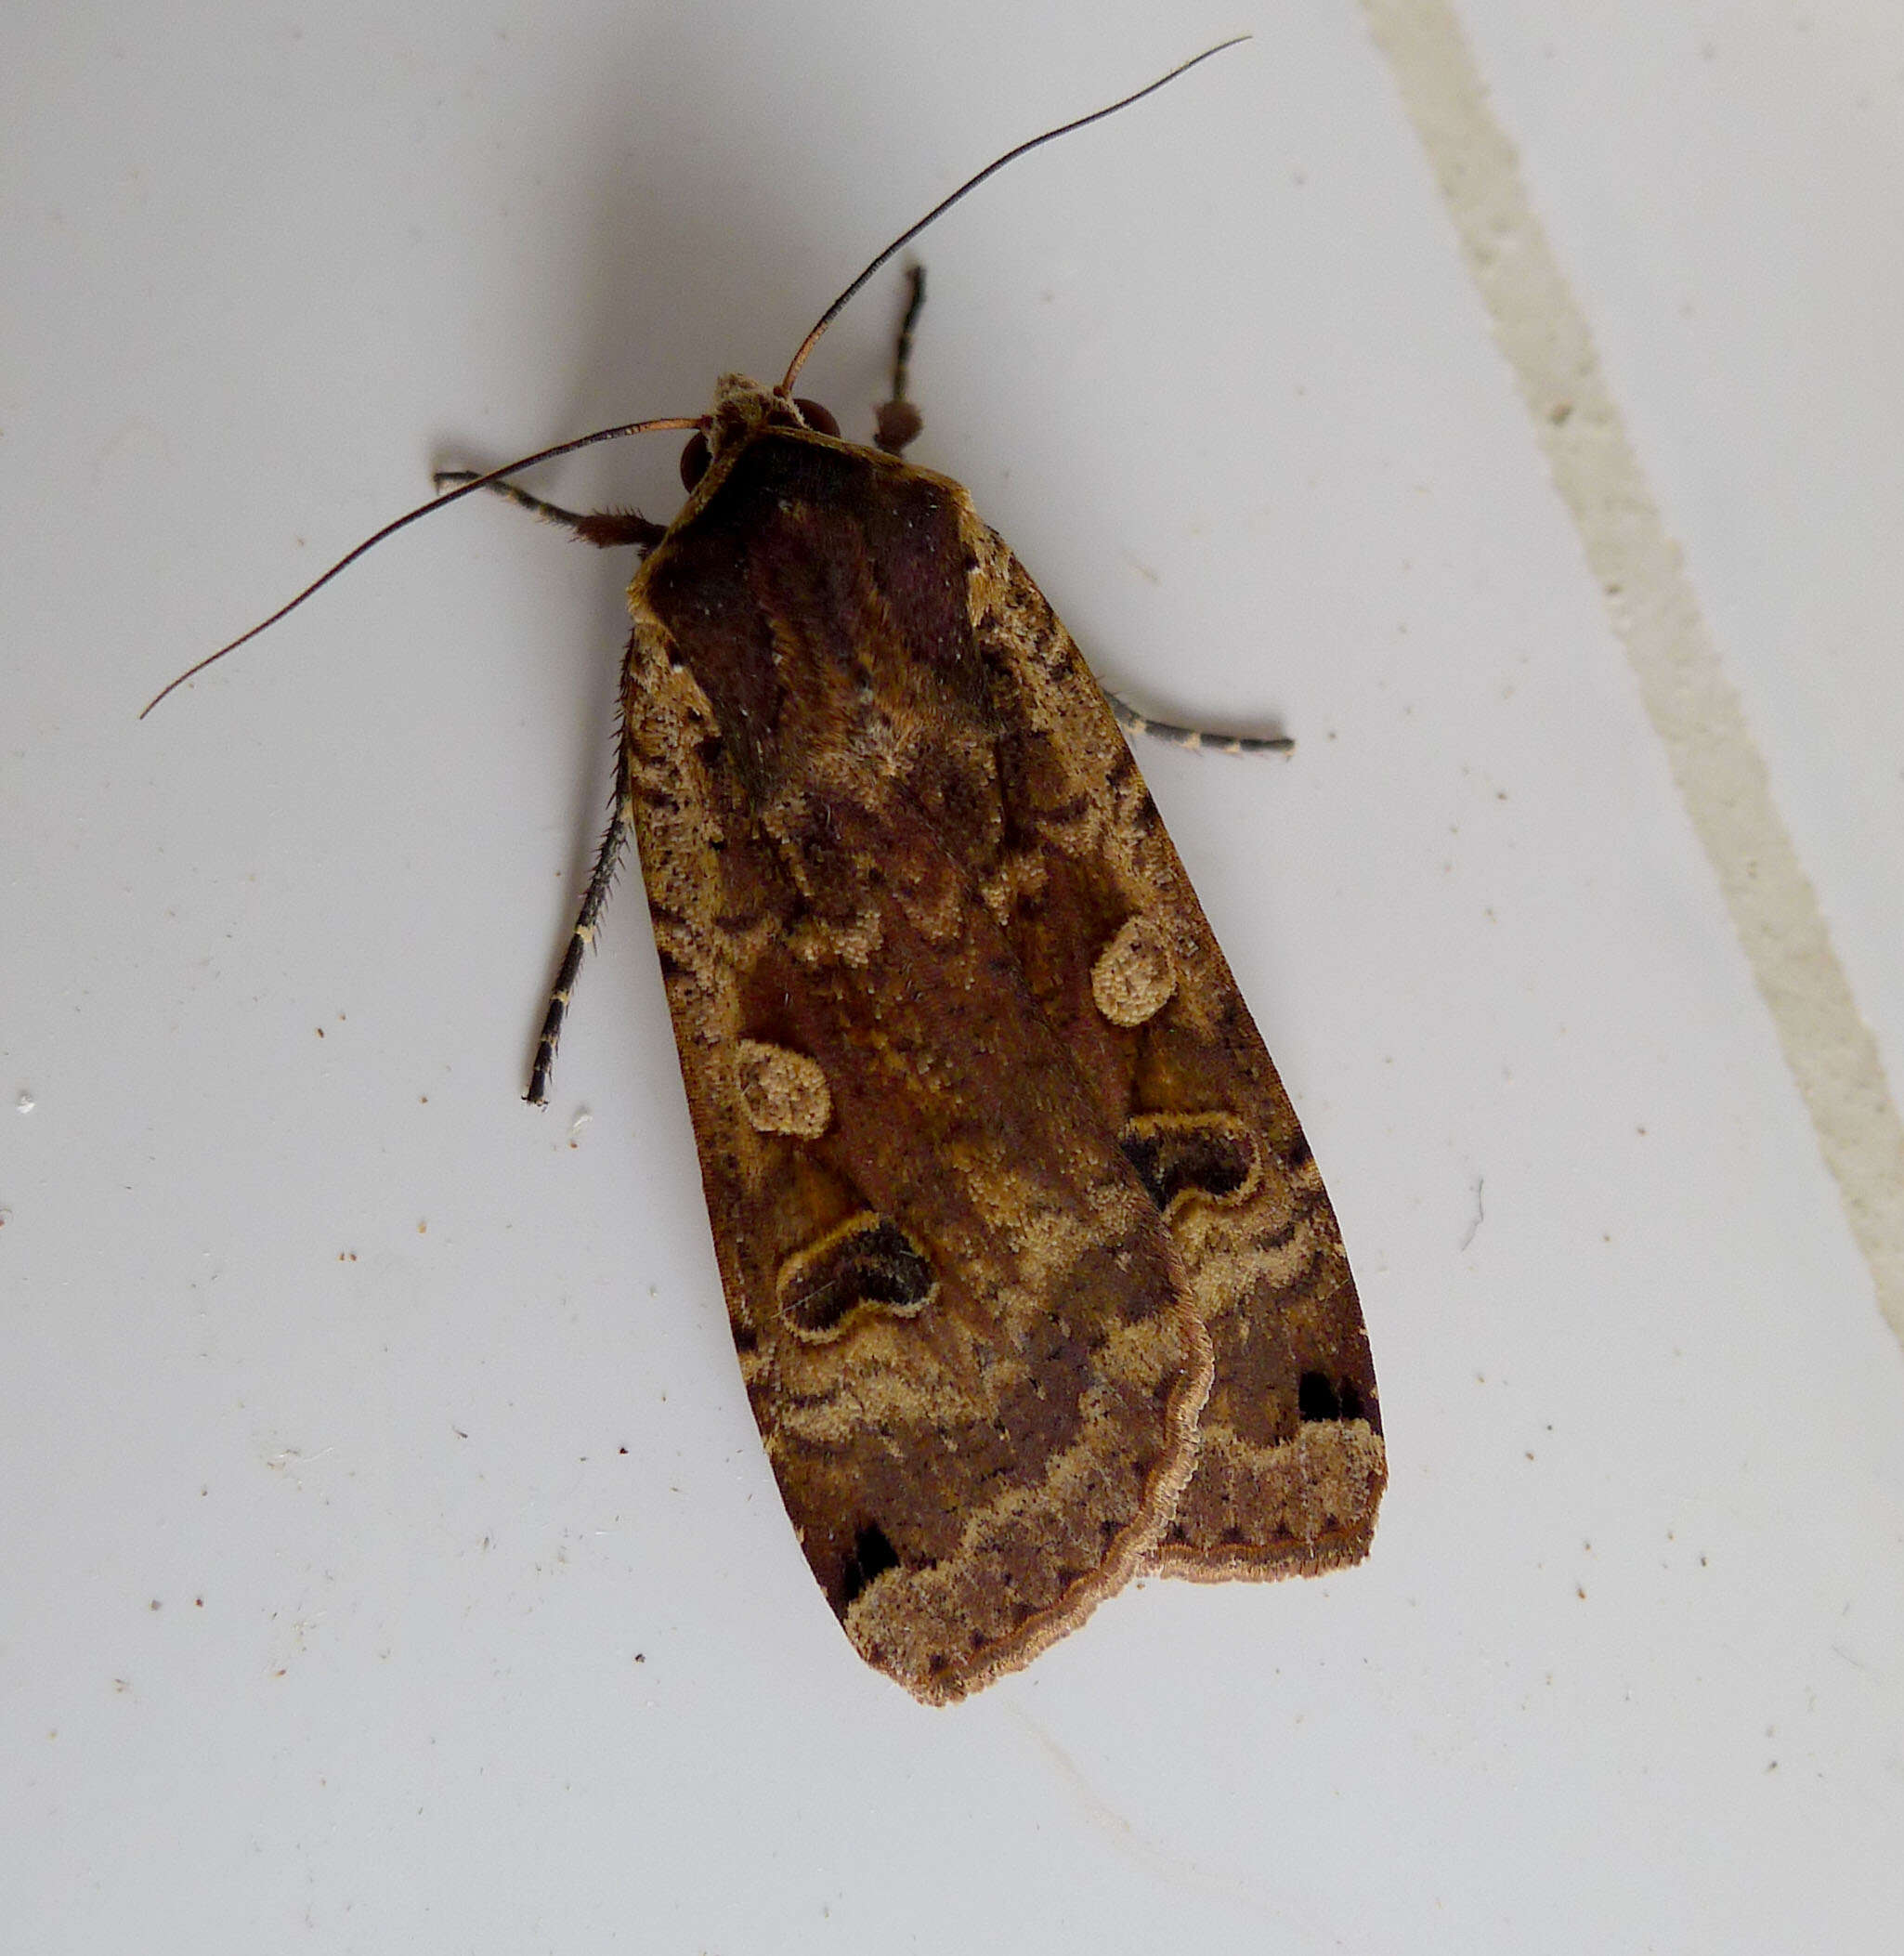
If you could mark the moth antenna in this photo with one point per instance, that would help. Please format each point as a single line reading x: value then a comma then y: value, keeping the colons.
x: 423, y: 509
x: 971, y: 183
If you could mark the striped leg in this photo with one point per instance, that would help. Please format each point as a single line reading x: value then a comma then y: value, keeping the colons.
x: 582, y: 937
x: 1193, y: 737
x: 608, y: 528
x: 899, y: 421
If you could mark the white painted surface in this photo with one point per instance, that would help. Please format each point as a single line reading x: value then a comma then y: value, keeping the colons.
x: 1720, y: 180
x: 1621, y: 1671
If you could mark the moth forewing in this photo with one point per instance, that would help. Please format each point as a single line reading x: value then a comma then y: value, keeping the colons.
x: 965, y: 1328
x: 1291, y: 1462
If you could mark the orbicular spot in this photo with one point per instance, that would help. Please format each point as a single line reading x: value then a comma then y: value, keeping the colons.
x: 783, y: 1092
x: 1133, y: 977
x: 868, y: 1265
x: 1179, y: 1155
x: 1318, y: 1397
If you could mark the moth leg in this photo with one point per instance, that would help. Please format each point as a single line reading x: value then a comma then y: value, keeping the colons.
x: 608, y: 528
x: 899, y: 421
x: 1194, y: 737
x: 583, y: 935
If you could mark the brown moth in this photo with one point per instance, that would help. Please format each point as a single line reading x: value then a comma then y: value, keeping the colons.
x: 1032, y: 1276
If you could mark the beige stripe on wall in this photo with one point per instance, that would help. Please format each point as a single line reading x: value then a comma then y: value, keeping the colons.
x: 1720, y: 773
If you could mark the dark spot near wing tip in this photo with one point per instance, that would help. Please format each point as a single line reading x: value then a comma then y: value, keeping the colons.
x: 1319, y: 1397
x: 872, y: 1555
x: 1315, y: 1398
x: 1300, y: 1152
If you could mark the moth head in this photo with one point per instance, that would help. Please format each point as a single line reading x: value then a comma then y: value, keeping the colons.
x: 742, y: 408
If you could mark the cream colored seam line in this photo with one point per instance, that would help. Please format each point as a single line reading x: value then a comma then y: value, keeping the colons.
x: 1650, y: 600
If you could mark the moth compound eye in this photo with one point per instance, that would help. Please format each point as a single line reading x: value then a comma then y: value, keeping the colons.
x: 817, y: 418
x: 695, y: 458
